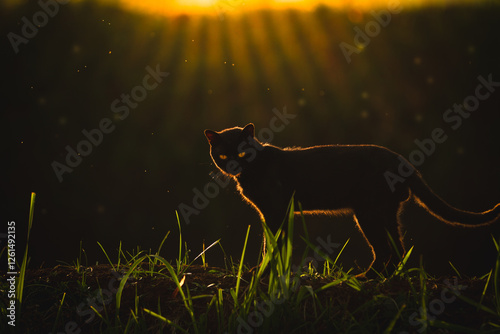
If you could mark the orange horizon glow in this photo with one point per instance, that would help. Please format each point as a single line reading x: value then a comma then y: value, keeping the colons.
x: 223, y: 7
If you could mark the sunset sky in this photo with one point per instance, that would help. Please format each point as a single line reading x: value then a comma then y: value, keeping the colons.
x: 174, y: 7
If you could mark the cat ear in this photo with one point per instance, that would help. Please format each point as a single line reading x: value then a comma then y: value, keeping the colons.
x: 212, y: 136
x: 249, y: 130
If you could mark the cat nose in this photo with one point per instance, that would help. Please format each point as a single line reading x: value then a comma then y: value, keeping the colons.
x: 233, y: 167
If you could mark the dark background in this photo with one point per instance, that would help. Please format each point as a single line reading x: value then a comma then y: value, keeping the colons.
x: 395, y: 91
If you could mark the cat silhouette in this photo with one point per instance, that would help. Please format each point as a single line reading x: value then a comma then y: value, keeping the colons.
x: 332, y: 178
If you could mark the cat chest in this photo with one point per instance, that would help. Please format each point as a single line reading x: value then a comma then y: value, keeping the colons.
x: 252, y: 188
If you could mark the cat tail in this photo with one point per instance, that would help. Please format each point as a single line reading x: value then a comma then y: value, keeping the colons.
x: 444, y: 211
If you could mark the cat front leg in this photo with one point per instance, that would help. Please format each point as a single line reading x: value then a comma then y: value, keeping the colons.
x: 273, y: 216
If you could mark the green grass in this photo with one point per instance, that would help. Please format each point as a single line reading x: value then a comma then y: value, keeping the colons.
x: 141, y: 292
x: 24, y: 263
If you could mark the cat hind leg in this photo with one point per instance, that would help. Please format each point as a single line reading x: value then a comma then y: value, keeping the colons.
x: 375, y: 225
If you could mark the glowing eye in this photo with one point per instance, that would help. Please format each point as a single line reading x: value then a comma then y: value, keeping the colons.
x: 223, y: 157
x: 241, y: 155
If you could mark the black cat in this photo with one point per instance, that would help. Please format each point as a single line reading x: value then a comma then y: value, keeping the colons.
x: 330, y: 178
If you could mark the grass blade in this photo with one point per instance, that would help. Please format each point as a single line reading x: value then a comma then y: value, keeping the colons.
x: 455, y: 269
x: 452, y: 328
x: 58, y: 312
x: 123, y: 281
x: 24, y: 264
x: 289, y: 238
x: 162, y: 242
x: 389, y: 328
x: 423, y: 296
x: 238, y: 280
x: 204, y: 251
x: 186, y: 297
x: 119, y: 257
x: 99, y: 315
x: 477, y: 305
x: 271, y: 245
x: 179, y: 259
x: 324, y: 255
x: 402, y: 264
x: 163, y: 319
x: 340, y: 252
x: 306, y: 236
x: 496, y: 276
x: 106, y: 254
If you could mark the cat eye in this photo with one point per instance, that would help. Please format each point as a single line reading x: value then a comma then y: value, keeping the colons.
x: 223, y: 157
x: 241, y: 154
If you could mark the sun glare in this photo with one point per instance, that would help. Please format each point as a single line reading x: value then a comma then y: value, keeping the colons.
x: 175, y: 7
x: 218, y: 7
x: 200, y: 3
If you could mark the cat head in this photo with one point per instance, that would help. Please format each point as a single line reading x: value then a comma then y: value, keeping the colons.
x: 231, y: 148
